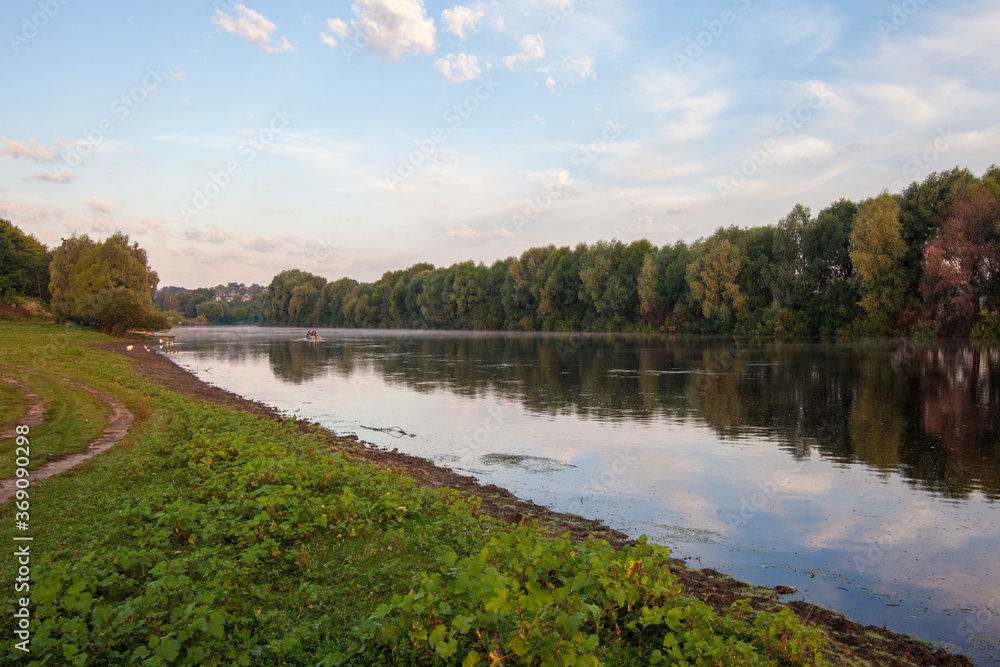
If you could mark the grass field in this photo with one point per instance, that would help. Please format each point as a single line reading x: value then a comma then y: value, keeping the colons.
x: 216, y: 537
x: 13, y: 403
x: 73, y: 418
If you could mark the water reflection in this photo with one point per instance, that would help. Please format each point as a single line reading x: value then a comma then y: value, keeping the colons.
x: 928, y: 412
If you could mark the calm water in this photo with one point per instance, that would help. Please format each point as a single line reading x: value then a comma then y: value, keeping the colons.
x: 864, y: 474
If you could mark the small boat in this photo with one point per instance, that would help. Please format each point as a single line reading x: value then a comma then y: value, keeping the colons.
x: 312, y: 335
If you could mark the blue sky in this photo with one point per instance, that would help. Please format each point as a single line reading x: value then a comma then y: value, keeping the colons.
x: 350, y: 138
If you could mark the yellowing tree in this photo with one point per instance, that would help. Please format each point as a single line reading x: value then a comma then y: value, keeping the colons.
x: 713, y: 281
x: 877, y: 249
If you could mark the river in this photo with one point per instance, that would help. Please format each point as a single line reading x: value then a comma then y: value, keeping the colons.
x: 864, y: 474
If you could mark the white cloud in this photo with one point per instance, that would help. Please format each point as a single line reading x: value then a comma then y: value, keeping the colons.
x: 337, y: 26
x: 464, y: 232
x: 532, y: 48
x: 214, y: 235
x: 260, y: 243
x: 582, y: 68
x: 550, y: 83
x: 458, y: 68
x: 65, y: 177
x: 561, y: 4
x: 394, y: 28
x: 283, y: 45
x: 803, y: 149
x: 251, y: 26
x: 176, y: 76
x: 28, y: 150
x: 27, y: 211
x: 99, y: 205
x: 460, y: 18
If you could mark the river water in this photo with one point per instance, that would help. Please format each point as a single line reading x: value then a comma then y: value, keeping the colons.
x: 863, y: 474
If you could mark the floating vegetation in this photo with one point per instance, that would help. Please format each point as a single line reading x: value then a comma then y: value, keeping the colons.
x: 529, y: 463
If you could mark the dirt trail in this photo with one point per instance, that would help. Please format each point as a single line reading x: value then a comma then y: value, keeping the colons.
x: 118, y: 423
x: 36, y: 410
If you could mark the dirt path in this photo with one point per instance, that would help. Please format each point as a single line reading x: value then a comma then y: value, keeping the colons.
x: 118, y: 422
x: 36, y: 410
x: 853, y: 643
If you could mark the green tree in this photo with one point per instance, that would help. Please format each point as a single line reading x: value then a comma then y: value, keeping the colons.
x: 788, y: 270
x: 214, y: 311
x: 283, y: 306
x: 652, y: 305
x: 24, y: 265
x: 877, y: 250
x: 107, y: 284
x: 829, y: 277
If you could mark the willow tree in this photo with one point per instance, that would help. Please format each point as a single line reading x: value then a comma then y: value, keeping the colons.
x: 107, y: 284
x: 877, y: 250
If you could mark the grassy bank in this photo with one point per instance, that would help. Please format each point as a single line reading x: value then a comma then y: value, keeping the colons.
x: 211, y: 536
x: 72, y: 419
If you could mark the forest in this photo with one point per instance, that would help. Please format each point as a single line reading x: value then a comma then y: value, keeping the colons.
x: 923, y: 262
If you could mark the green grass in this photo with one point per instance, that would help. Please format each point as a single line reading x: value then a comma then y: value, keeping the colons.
x: 13, y: 403
x: 211, y: 536
x: 73, y: 418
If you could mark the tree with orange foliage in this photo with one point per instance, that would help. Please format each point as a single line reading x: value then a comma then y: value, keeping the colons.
x: 962, y: 261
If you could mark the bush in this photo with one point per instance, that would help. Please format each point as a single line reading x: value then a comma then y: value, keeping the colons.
x: 924, y: 331
x: 988, y: 326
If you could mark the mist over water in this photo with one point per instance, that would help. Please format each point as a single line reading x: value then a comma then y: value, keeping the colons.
x: 865, y: 474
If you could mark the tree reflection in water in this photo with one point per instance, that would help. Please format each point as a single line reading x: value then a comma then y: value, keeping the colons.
x: 929, y: 412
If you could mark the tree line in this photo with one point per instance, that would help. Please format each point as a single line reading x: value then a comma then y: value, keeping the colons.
x: 922, y: 262
x: 107, y: 284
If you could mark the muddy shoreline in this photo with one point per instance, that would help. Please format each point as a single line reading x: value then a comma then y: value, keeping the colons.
x: 849, y: 643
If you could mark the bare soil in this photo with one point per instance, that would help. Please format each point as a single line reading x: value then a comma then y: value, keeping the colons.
x: 849, y: 643
x: 118, y: 422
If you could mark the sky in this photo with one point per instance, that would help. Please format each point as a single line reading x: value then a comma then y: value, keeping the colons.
x: 233, y: 141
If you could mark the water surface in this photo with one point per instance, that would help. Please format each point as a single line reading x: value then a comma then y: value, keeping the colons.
x: 864, y: 474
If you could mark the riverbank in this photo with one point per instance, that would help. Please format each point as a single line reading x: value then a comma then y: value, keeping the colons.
x: 197, y: 457
x: 869, y: 644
